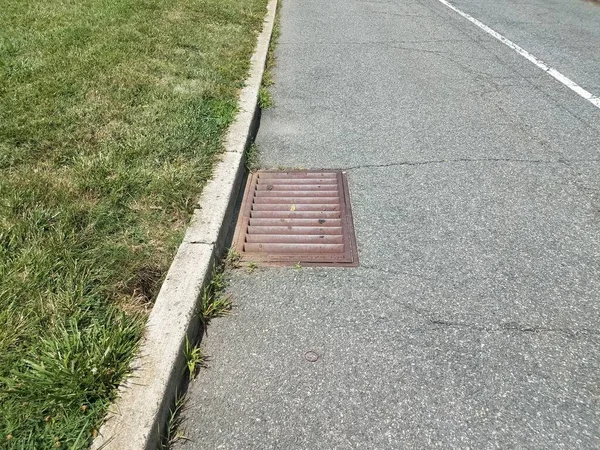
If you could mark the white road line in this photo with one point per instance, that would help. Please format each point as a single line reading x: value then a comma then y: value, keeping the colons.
x: 538, y: 62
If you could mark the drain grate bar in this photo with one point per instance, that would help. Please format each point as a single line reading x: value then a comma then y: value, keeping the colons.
x: 296, y: 216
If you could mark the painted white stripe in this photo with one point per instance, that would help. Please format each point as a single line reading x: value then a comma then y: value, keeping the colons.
x: 538, y: 62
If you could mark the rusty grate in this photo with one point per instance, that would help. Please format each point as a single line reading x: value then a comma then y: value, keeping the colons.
x: 296, y: 217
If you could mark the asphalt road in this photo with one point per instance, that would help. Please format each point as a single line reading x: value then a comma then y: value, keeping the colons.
x: 473, y: 319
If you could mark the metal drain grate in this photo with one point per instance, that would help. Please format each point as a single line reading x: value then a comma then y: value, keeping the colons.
x: 296, y: 217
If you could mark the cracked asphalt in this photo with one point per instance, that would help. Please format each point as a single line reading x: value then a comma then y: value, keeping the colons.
x: 473, y: 319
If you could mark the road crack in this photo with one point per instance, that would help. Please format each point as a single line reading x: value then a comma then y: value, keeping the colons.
x: 515, y: 327
x: 465, y: 160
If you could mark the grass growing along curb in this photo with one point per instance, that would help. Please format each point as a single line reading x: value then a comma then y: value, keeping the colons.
x: 265, y: 99
x: 172, y: 433
x: 252, y: 158
x: 194, y: 359
x: 214, y: 304
x: 111, y: 118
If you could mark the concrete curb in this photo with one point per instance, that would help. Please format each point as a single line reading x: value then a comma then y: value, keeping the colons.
x: 142, y: 409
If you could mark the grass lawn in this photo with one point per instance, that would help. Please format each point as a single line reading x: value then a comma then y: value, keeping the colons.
x: 111, y: 115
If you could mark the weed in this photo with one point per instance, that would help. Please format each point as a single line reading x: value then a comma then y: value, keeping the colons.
x: 213, y: 302
x: 252, y: 159
x: 232, y: 260
x: 298, y: 266
x: 194, y: 358
x: 265, y: 100
x: 172, y: 431
x: 252, y: 266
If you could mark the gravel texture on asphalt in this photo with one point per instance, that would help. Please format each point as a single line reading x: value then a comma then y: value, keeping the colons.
x: 472, y: 321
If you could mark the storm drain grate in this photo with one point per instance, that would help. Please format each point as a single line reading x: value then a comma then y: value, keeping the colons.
x: 296, y: 217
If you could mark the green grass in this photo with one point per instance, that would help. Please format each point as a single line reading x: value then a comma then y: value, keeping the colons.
x: 111, y: 118
x: 194, y: 359
x: 172, y: 432
x: 252, y: 159
x: 265, y: 99
x: 214, y: 302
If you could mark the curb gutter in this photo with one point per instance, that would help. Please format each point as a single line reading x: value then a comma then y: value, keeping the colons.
x: 142, y: 408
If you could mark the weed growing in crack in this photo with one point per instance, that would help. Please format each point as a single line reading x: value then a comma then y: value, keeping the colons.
x: 214, y: 303
x: 252, y: 266
x: 172, y: 430
x: 195, y: 358
x: 265, y: 99
x: 232, y: 261
x: 252, y: 159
